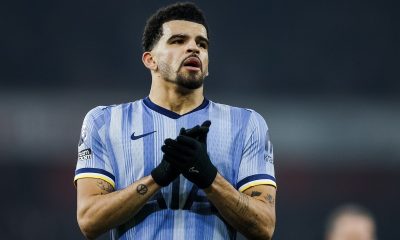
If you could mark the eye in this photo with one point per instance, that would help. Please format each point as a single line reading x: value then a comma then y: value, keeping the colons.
x: 203, y: 45
x: 177, y: 41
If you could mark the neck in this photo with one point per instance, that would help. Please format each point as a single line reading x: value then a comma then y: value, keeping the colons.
x: 174, y: 98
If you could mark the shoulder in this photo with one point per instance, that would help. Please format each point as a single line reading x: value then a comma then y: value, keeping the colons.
x: 96, y: 112
x: 246, y: 115
x: 103, y: 110
x: 223, y: 107
x: 257, y: 118
x: 99, y: 114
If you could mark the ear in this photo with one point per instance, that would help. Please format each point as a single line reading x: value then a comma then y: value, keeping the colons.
x: 148, y: 61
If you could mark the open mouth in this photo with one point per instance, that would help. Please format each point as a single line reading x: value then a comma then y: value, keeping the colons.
x: 192, y: 63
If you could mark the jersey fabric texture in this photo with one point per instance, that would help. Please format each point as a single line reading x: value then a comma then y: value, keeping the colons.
x: 122, y: 143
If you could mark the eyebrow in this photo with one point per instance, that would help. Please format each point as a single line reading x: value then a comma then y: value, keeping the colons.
x: 201, y: 38
x: 177, y: 36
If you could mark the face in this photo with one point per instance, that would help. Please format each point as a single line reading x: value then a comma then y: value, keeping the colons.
x: 181, y: 54
x: 353, y: 227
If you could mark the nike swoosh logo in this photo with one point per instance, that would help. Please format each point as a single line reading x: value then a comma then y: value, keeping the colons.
x: 133, y: 137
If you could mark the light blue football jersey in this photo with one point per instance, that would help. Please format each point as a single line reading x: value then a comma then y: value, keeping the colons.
x: 122, y: 143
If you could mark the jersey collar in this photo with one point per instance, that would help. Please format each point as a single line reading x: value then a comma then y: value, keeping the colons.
x: 170, y: 113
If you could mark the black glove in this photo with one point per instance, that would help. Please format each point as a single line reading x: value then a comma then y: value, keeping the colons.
x: 197, y: 132
x: 189, y: 155
x: 164, y: 173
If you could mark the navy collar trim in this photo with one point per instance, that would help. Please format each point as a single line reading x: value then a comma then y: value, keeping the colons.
x: 169, y: 113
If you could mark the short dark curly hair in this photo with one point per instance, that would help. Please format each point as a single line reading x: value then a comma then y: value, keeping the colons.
x: 179, y: 11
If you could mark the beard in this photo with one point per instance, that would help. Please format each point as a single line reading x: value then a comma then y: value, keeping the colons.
x: 188, y: 80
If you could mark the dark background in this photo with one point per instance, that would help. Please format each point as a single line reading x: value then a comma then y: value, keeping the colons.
x: 324, y: 74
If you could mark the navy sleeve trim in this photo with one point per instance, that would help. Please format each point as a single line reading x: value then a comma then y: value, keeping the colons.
x: 254, y: 180
x: 95, y: 170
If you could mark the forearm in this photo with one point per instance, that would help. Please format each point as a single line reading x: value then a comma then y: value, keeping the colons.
x: 99, y: 213
x: 250, y: 216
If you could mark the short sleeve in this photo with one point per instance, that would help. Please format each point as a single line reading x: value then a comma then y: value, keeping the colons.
x: 93, y: 159
x: 257, y: 163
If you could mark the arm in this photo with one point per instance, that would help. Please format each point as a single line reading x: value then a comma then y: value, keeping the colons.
x: 99, y: 208
x: 255, y: 217
x: 252, y: 213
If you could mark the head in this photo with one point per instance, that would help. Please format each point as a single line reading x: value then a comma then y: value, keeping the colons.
x: 175, y: 44
x: 350, y: 222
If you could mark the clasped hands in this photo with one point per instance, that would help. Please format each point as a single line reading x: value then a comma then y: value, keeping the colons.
x: 186, y: 155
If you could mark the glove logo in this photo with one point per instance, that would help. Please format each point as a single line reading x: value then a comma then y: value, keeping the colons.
x: 193, y: 170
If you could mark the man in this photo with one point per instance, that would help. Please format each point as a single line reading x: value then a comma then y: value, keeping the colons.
x: 175, y: 165
x: 350, y: 222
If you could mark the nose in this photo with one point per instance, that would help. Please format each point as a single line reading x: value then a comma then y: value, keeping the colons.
x: 192, y: 47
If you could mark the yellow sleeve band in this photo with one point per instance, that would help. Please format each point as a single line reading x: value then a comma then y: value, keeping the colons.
x: 256, y: 183
x: 94, y: 175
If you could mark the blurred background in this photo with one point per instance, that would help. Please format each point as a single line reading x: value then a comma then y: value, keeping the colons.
x: 324, y: 74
